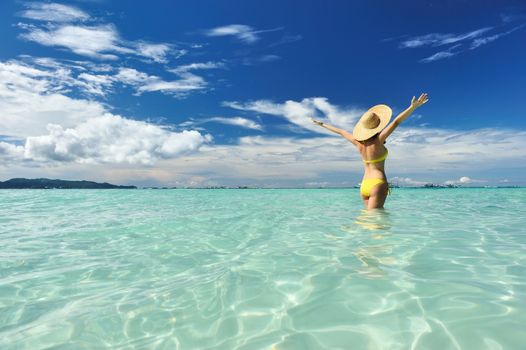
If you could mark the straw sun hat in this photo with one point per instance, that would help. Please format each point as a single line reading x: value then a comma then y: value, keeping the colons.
x: 372, y: 122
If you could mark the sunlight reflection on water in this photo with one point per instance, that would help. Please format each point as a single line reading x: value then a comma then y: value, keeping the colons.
x: 262, y: 269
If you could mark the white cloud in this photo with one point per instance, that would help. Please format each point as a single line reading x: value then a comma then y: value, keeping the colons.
x: 132, y: 76
x: 442, y: 54
x: 485, y: 40
x: 98, y: 84
x: 452, y: 151
x: 71, y: 28
x: 439, y: 39
x: 143, y: 82
x: 199, y: 65
x: 10, y: 152
x: 31, y: 98
x: 299, y: 113
x: 236, y: 121
x: 464, y: 180
x: 438, y: 56
x: 188, y: 81
x: 42, y: 76
x: 58, y: 128
x: 53, y: 12
x: 261, y: 106
x: 471, y: 40
x: 111, y: 139
x: 243, y: 32
x: 157, y: 52
x: 97, y: 41
x: 93, y: 41
x: 258, y: 158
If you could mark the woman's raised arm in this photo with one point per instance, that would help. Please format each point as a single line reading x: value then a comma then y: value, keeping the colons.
x: 415, y: 103
x: 338, y: 131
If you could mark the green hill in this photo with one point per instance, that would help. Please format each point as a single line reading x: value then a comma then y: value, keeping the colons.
x: 55, y: 183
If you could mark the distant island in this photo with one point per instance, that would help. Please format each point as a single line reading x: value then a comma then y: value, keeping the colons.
x: 20, y: 183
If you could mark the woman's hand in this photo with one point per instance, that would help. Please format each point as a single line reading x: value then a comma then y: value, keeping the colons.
x: 317, y: 122
x: 421, y: 100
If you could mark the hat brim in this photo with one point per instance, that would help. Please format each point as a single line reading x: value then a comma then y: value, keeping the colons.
x: 361, y: 133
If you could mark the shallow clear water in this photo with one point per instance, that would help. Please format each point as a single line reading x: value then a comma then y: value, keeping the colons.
x: 262, y: 269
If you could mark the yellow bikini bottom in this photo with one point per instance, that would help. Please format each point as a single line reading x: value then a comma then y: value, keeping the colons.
x: 368, y: 184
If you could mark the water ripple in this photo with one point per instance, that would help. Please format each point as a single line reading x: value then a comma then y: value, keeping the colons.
x: 262, y: 269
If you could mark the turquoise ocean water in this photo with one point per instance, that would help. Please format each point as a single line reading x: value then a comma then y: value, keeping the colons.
x: 262, y: 269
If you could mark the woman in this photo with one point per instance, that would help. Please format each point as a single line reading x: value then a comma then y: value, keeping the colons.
x: 369, y: 136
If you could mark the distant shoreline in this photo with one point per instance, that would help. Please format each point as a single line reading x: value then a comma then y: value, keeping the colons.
x: 254, y: 188
x: 52, y: 184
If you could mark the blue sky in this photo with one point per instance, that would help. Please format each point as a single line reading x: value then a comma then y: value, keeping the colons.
x: 201, y: 93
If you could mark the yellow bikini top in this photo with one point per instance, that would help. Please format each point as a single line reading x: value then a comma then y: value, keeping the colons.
x: 377, y: 160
